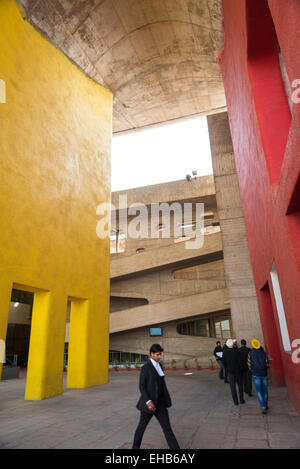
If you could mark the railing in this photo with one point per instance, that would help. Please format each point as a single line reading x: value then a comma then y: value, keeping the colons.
x: 122, y: 358
x: 137, y: 360
x: 11, y: 360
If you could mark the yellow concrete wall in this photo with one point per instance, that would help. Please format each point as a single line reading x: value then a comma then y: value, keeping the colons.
x: 55, y: 145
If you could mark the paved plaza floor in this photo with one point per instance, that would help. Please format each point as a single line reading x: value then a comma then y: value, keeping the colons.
x: 202, y: 416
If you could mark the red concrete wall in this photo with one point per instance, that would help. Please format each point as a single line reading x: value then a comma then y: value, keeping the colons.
x: 266, y: 140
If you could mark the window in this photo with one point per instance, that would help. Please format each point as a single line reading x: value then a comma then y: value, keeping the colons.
x: 161, y: 227
x: 280, y: 310
x: 198, y: 328
x: 207, y: 230
x: 187, y: 224
x: 211, y: 229
x: 213, y: 326
x: 223, y: 328
x: 117, y: 242
x: 123, y: 357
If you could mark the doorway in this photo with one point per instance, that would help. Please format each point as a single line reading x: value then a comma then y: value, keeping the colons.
x: 271, y: 336
x: 18, y: 334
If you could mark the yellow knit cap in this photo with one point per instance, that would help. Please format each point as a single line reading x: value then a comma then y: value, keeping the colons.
x: 255, y: 343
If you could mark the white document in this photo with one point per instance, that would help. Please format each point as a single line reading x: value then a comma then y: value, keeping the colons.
x: 219, y: 354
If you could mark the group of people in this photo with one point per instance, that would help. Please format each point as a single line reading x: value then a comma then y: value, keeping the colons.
x: 240, y: 365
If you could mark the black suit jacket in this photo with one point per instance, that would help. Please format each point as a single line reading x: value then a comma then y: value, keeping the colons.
x: 232, y: 361
x: 244, y: 352
x: 149, y: 386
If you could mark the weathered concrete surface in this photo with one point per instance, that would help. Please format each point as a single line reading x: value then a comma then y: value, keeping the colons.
x: 203, y: 186
x: 157, y: 255
x: 169, y: 283
x: 164, y: 311
x: 202, y: 416
x: 176, y: 346
x: 243, y: 300
x: 180, y: 284
x: 159, y: 57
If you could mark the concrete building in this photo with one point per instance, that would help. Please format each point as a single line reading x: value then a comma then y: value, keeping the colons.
x: 190, y: 293
x: 74, y: 72
x: 160, y: 283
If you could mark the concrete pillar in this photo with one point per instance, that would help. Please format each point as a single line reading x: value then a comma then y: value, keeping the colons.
x: 88, y: 343
x: 46, y: 348
x: 239, y: 277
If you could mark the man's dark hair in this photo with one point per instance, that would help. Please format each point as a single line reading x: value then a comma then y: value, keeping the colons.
x: 218, y: 342
x: 243, y: 342
x: 156, y: 348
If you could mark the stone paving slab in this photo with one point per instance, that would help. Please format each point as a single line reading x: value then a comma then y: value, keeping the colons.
x: 202, y: 416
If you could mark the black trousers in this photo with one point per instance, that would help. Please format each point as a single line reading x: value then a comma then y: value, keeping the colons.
x: 233, y: 380
x: 226, y: 373
x: 162, y: 416
x: 247, y: 381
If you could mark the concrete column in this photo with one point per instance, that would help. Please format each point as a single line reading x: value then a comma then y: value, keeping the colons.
x: 239, y: 277
x: 5, y: 296
x: 46, y: 348
x: 88, y: 343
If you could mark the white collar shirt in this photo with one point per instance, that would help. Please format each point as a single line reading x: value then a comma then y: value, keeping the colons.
x: 157, y: 367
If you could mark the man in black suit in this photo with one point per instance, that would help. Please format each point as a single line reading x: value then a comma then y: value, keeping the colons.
x: 232, y: 361
x: 246, y: 374
x: 154, y: 399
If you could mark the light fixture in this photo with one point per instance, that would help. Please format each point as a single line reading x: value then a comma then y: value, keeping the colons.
x: 16, y: 304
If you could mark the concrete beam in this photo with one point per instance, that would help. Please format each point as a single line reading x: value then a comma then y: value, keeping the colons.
x: 182, y: 190
x: 165, y: 311
x: 164, y: 285
x: 171, y: 254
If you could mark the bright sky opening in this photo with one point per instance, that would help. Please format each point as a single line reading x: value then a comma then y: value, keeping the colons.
x: 161, y: 154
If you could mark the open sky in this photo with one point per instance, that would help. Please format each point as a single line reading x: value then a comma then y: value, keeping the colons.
x: 162, y: 154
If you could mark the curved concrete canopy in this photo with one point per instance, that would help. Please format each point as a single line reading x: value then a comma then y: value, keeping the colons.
x: 159, y: 57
